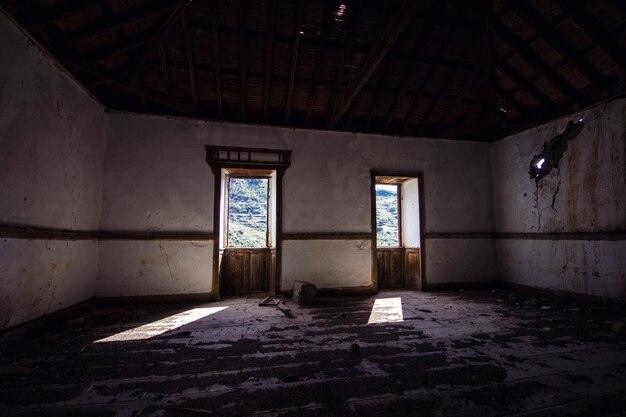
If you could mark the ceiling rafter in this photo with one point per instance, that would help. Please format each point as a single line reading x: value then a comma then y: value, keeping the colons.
x: 525, y: 84
x: 388, y: 66
x: 486, y: 15
x: 347, y: 51
x: 319, y: 56
x: 474, y: 104
x: 533, y: 59
x: 431, y: 70
x: 294, y: 59
x: 269, y: 56
x: 469, y: 79
x: 400, y: 21
x: 117, y: 22
x: 128, y: 44
x: 188, y: 49
x: 588, y: 24
x: 67, y: 9
x: 102, y: 73
x: 445, y: 86
x: 155, y: 60
x: 258, y: 77
x: 510, y: 99
x: 550, y: 35
x: 216, y: 55
x: 380, y: 27
x: 164, y: 70
x: 243, y: 22
x: 135, y: 65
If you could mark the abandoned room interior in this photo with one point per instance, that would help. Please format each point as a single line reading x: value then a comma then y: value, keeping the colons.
x: 312, y: 208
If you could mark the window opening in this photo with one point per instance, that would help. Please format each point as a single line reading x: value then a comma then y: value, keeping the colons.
x: 248, y: 200
x: 387, y: 215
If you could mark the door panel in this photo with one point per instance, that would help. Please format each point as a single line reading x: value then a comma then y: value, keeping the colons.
x: 390, y: 268
x: 244, y: 271
x: 413, y: 268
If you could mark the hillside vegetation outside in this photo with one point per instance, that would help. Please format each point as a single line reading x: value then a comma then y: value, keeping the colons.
x: 247, y: 212
x: 387, y: 215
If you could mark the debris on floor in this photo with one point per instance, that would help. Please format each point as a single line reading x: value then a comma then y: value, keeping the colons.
x: 276, y: 301
x: 450, y: 353
x: 303, y: 292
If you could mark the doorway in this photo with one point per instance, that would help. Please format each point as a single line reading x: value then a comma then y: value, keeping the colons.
x: 397, y: 230
x: 248, y: 230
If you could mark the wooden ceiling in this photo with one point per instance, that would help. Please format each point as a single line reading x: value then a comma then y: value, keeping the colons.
x: 445, y: 68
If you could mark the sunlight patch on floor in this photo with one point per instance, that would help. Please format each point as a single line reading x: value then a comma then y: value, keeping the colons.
x: 386, y: 310
x: 161, y: 326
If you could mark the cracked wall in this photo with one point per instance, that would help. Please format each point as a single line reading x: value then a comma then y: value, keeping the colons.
x: 585, y: 195
x: 51, y: 151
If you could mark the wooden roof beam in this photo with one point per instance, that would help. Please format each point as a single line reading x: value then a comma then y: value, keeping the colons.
x: 164, y: 70
x: 512, y: 101
x: 294, y: 59
x: 70, y: 8
x: 469, y: 79
x: 120, y: 21
x: 576, y: 12
x: 347, y: 51
x: 380, y: 26
x: 216, y: 56
x: 486, y: 43
x: 317, y: 63
x: 416, y: 98
x: 243, y: 22
x: 445, y: 86
x: 154, y: 41
x: 269, y: 55
x: 400, y: 21
x: 416, y: 59
x: 533, y: 59
x: 126, y: 45
x: 546, y: 31
x: 390, y: 61
x: 105, y: 75
x: 525, y: 84
x: 189, y: 51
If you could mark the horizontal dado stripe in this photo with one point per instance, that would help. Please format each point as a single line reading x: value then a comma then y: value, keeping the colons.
x: 39, y: 233
x: 327, y: 236
x: 460, y: 236
x: 610, y: 236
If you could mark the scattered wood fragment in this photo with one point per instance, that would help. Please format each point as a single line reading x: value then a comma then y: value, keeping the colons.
x: 276, y: 301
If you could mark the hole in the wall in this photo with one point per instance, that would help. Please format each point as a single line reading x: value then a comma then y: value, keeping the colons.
x: 553, y: 151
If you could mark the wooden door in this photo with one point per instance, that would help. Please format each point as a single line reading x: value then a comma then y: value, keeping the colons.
x: 244, y: 271
x: 413, y: 268
x: 390, y: 267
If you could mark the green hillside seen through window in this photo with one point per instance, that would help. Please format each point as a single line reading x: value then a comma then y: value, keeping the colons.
x: 247, y: 212
x: 387, y: 233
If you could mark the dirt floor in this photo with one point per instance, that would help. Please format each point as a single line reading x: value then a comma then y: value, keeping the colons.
x: 457, y: 353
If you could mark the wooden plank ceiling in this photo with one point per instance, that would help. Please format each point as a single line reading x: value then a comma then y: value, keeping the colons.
x: 445, y: 68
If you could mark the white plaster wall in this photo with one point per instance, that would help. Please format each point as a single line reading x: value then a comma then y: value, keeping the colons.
x: 156, y: 178
x: 51, y: 150
x: 460, y: 260
x: 136, y: 268
x: 587, y: 267
x: 589, y: 193
x: 39, y: 277
x: 327, y: 263
x: 52, y: 141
